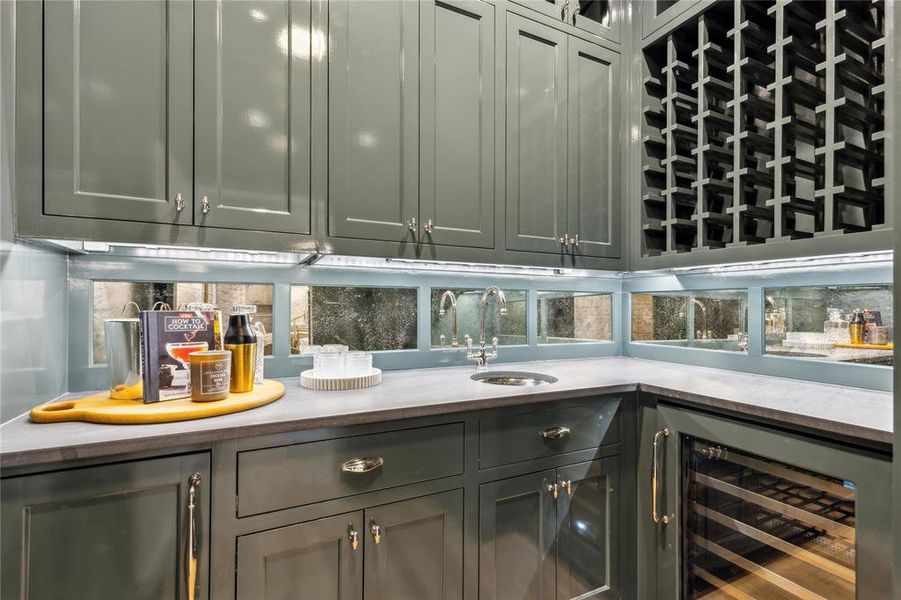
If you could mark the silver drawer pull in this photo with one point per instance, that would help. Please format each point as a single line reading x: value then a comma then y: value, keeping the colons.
x: 362, y: 465
x: 656, y: 478
x: 555, y: 433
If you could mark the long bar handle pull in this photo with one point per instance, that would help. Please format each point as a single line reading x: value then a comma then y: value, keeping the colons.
x: 365, y: 464
x: 655, y: 478
x: 191, y: 551
x: 555, y: 433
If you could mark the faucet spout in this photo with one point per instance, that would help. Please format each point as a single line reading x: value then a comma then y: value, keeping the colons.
x: 482, y: 356
x: 446, y: 297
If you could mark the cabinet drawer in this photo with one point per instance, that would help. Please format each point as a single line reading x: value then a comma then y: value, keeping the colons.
x: 511, y: 438
x: 276, y: 478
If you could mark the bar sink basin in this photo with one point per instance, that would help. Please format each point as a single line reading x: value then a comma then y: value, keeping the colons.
x: 521, y: 378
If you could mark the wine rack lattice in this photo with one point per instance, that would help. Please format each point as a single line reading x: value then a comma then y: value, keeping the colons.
x: 764, y: 121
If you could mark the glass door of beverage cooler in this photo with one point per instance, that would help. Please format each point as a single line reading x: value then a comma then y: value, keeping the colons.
x: 743, y: 511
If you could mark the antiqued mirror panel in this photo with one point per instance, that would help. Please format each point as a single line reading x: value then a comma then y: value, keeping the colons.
x: 362, y: 318
x: 568, y: 317
x: 709, y: 320
x: 462, y: 305
x: 116, y: 299
x: 842, y: 323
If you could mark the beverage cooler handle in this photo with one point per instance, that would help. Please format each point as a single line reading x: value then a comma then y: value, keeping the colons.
x: 191, y: 550
x: 656, y: 478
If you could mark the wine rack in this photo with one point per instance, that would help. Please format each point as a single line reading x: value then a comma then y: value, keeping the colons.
x: 764, y: 122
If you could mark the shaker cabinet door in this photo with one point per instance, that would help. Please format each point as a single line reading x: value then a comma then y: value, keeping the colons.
x: 414, y: 549
x: 536, y: 136
x: 517, y: 534
x: 588, y: 522
x: 106, y: 532
x: 252, y: 92
x: 117, y: 110
x: 457, y: 143
x: 595, y: 149
x: 317, y: 560
x: 373, y: 122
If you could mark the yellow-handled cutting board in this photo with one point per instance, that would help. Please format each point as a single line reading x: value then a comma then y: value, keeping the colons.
x: 100, y: 408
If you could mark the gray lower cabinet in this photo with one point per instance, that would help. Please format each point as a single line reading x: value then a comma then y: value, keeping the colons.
x: 457, y: 123
x: 107, y: 532
x: 552, y: 534
x: 373, y: 119
x: 419, y: 552
x: 117, y: 115
x: 413, y: 550
x: 252, y: 95
x: 319, y: 560
x: 563, y: 131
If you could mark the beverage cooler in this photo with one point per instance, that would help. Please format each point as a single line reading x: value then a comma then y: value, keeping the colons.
x: 736, y: 511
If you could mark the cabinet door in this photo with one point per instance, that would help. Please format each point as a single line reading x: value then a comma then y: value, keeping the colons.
x: 316, y: 560
x: 118, y: 109
x: 252, y: 118
x: 517, y: 533
x: 373, y: 119
x: 588, y: 522
x: 536, y: 135
x: 456, y: 204
x: 102, y: 532
x: 414, y: 548
x: 551, y: 8
x: 595, y: 149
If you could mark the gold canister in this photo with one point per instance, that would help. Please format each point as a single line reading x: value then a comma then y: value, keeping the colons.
x: 244, y: 360
x: 857, y: 328
x: 210, y: 379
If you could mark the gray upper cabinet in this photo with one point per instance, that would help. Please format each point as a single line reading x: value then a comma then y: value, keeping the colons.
x: 252, y: 91
x: 414, y: 549
x: 102, y: 532
x: 118, y: 109
x: 598, y: 17
x: 373, y: 139
x: 318, y: 560
x: 595, y: 150
x: 517, y: 530
x: 536, y: 135
x: 563, y: 143
x: 457, y: 117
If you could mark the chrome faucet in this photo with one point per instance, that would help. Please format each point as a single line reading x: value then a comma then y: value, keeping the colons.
x: 449, y: 296
x: 482, y: 357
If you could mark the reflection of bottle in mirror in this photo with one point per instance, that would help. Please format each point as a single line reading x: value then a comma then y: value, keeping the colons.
x: 857, y: 327
x: 241, y: 341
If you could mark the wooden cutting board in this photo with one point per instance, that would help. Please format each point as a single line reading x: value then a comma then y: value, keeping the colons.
x: 100, y: 408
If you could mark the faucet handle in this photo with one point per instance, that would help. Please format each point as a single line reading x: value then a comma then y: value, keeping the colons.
x: 468, y: 339
x: 442, y: 339
x: 494, y: 347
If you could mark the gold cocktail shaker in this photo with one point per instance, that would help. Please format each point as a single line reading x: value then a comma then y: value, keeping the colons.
x: 857, y: 328
x: 241, y: 341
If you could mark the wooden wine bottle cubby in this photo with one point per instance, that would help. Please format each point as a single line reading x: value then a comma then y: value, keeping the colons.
x: 764, y: 122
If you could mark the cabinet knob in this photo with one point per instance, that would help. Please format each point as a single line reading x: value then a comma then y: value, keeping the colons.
x: 411, y: 225
x: 575, y: 240
x: 353, y: 536
x: 179, y: 203
x: 376, y: 530
x: 567, y: 485
x: 429, y: 227
x: 553, y: 490
x: 205, y: 205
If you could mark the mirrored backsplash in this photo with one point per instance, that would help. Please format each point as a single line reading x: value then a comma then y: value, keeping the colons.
x: 367, y: 319
x: 115, y: 299
x: 461, y: 307
x: 710, y: 319
x: 818, y: 322
x: 571, y: 317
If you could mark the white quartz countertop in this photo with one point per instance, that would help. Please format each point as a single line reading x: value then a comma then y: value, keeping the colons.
x: 851, y: 413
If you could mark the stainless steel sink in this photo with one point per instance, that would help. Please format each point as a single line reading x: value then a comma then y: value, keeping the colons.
x: 523, y: 378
